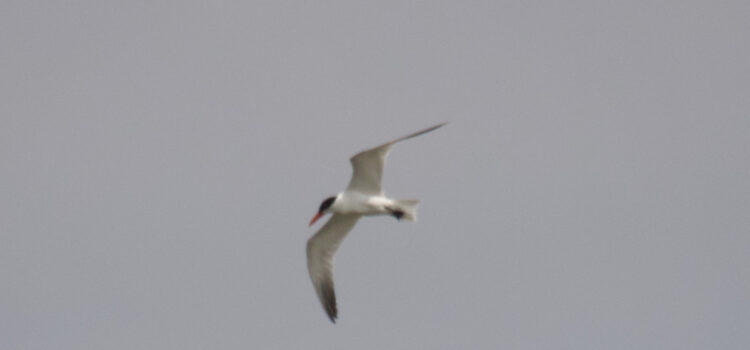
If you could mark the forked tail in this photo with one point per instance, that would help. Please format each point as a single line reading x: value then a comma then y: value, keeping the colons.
x: 408, y: 207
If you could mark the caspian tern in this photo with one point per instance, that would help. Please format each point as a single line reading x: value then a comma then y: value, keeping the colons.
x: 363, y: 197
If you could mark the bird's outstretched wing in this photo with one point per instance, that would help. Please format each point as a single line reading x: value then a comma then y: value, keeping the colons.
x: 320, y: 250
x: 367, y: 166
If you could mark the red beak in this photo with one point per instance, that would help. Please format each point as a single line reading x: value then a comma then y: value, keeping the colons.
x: 316, y: 217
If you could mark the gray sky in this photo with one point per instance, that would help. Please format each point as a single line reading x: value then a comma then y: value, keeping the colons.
x: 159, y: 162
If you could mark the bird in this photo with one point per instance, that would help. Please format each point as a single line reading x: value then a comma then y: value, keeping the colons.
x: 363, y: 196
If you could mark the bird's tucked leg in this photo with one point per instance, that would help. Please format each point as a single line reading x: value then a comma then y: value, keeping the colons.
x: 397, y: 213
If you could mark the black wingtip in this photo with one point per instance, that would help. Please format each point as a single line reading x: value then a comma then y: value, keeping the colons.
x: 329, y: 296
x: 332, y: 314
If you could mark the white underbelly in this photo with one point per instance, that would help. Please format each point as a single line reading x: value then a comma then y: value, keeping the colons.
x: 357, y: 203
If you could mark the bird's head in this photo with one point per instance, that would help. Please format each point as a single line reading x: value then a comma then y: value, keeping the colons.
x: 323, y: 209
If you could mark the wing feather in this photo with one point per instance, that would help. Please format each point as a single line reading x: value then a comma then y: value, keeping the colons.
x: 320, y: 251
x: 367, y: 166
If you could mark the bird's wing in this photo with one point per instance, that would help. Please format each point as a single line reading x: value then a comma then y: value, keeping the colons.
x: 320, y: 250
x: 367, y: 166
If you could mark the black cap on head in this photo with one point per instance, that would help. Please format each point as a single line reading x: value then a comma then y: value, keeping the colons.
x: 326, y: 204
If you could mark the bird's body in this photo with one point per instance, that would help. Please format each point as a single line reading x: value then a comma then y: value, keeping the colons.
x: 363, y: 197
x: 353, y: 202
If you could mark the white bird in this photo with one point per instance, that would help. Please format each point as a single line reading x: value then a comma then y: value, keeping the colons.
x: 363, y: 196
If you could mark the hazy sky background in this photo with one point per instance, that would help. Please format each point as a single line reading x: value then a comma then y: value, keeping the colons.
x: 160, y: 161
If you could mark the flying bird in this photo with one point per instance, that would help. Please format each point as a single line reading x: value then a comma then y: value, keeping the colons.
x: 363, y: 197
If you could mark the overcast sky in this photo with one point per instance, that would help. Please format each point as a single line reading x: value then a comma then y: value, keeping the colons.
x: 160, y: 161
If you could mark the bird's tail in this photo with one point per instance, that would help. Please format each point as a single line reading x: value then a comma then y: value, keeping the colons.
x: 408, y: 207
